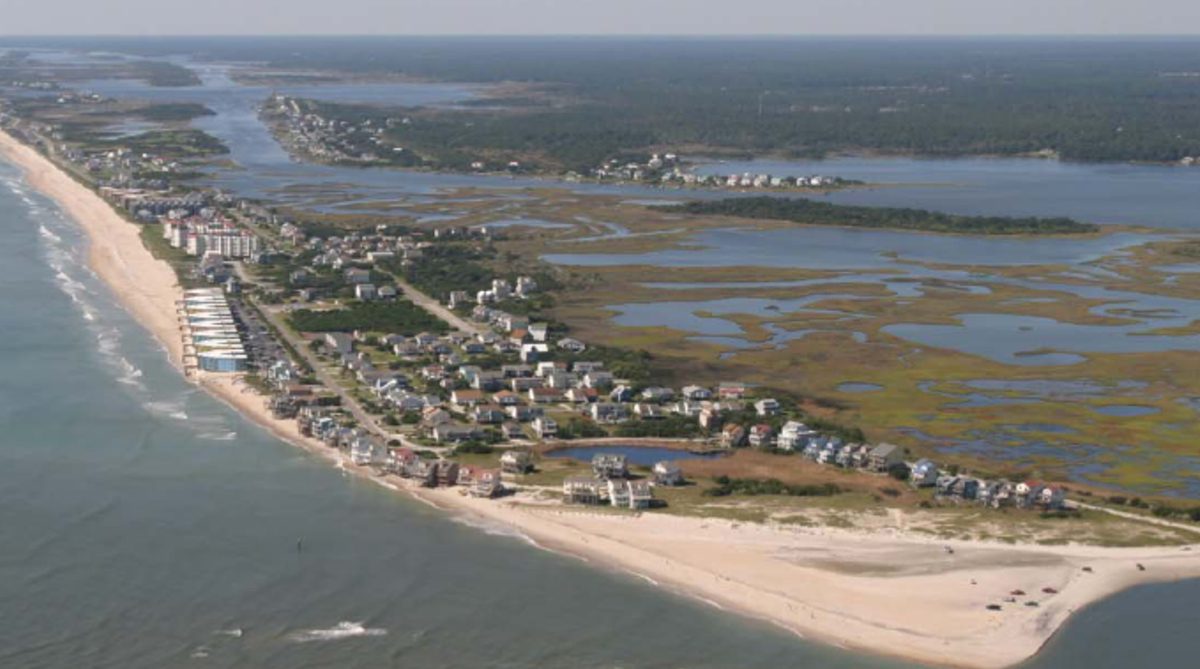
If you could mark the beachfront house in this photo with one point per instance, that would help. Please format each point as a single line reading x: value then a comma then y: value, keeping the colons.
x: 486, y: 484
x: 516, y: 461
x: 884, y: 456
x: 924, y: 473
x: 584, y: 490
x: 422, y: 471
x: 641, y: 496
x: 618, y: 493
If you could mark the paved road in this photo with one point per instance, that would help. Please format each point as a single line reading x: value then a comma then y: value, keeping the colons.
x: 437, y: 308
x: 323, y: 375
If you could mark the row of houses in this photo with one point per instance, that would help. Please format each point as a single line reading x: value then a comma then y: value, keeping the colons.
x: 999, y: 494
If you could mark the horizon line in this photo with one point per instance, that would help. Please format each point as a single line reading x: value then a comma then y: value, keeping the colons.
x: 1147, y: 35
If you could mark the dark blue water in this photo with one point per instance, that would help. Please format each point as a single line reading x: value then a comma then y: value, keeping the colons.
x: 635, y: 455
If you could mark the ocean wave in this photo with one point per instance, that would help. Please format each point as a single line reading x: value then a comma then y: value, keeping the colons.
x: 48, y: 234
x: 343, y: 630
x: 644, y: 577
x: 494, y: 528
x: 171, y: 409
x: 107, y: 342
x: 130, y: 373
x: 217, y: 436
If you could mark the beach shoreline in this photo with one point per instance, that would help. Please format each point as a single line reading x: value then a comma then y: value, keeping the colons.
x: 889, y: 592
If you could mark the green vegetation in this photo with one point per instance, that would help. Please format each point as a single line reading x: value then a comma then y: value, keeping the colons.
x: 625, y: 363
x: 183, y: 264
x: 474, y: 448
x: 675, y: 426
x: 447, y: 267
x: 589, y: 100
x: 400, y: 317
x: 1187, y: 250
x: 810, y: 212
x: 187, y: 143
x: 161, y: 73
x: 726, y: 486
x: 579, y: 428
x: 173, y: 111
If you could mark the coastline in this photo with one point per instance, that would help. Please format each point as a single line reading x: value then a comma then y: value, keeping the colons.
x: 883, y: 592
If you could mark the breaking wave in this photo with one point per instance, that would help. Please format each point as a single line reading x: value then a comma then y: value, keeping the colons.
x: 342, y: 630
x: 218, y: 436
x: 172, y: 409
x: 494, y: 529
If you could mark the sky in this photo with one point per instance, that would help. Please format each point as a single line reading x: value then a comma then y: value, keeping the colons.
x: 616, y: 17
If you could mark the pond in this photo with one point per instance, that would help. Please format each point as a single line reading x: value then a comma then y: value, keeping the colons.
x: 858, y: 387
x: 1125, y: 410
x: 645, y: 456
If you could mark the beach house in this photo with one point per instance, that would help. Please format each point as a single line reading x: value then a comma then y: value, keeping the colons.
x: 584, y: 490
x: 610, y: 465
x: 667, y: 473
x: 516, y: 461
x: 884, y: 456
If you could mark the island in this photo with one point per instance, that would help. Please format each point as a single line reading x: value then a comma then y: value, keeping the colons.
x: 811, y: 212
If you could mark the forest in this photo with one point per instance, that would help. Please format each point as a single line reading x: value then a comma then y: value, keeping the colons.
x: 568, y: 103
x: 571, y: 104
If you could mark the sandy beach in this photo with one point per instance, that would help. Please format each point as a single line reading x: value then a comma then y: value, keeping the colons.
x: 894, y: 593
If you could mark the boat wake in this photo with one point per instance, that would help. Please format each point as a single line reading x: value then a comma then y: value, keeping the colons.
x: 340, y: 631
